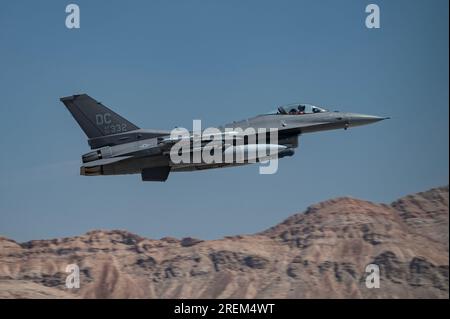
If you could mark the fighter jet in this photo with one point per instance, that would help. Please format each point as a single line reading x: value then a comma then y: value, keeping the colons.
x: 121, y: 147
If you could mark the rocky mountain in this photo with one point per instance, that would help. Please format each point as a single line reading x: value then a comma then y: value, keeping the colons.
x: 320, y: 253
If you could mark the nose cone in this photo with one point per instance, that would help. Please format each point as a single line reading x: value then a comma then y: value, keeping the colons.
x: 362, y: 119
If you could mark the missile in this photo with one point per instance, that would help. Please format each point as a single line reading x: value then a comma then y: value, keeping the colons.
x: 253, y: 152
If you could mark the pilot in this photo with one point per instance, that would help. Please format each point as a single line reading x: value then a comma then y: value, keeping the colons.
x: 293, y: 111
x: 301, y: 109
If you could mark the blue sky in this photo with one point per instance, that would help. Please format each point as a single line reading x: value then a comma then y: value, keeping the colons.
x: 162, y: 64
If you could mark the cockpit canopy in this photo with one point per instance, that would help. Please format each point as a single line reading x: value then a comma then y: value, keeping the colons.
x: 298, y: 109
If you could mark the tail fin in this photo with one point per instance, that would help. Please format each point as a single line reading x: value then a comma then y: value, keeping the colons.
x: 94, y: 118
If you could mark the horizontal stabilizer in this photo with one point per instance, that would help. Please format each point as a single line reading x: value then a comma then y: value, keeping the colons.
x: 106, y: 161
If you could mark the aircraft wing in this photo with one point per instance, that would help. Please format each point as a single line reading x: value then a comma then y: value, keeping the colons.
x: 206, y: 137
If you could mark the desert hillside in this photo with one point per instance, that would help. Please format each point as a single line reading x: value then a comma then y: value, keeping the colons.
x: 319, y: 253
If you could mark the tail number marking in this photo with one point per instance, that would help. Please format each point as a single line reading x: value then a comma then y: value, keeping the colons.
x: 104, y: 118
x: 109, y: 128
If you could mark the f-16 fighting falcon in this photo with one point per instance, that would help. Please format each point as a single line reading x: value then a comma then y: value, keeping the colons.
x: 120, y: 147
